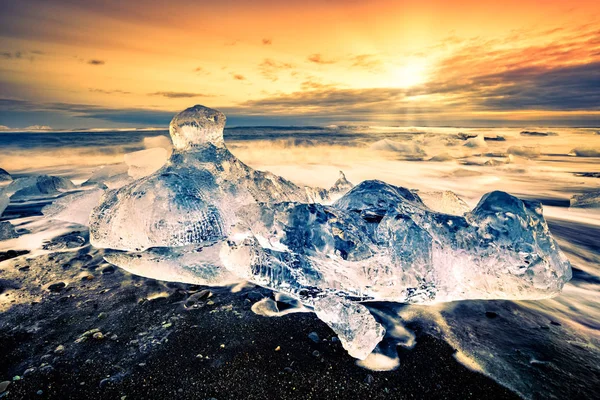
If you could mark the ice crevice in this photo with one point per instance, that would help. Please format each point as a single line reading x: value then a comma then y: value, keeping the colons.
x: 205, y: 217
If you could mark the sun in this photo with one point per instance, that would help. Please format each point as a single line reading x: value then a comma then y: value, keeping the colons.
x: 410, y: 74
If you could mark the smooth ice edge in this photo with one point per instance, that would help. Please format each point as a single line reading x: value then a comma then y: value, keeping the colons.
x: 375, y: 243
x: 356, y: 328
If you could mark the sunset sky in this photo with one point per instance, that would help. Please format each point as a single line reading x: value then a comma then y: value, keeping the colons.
x: 111, y: 63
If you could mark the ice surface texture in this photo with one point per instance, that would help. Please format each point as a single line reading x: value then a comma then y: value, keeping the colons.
x: 207, y: 218
x: 380, y: 242
x: 74, y: 207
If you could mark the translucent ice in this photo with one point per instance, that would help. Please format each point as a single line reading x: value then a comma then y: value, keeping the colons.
x: 207, y: 218
x: 326, y: 196
x: 340, y: 187
x: 4, y: 201
x: 355, y: 326
x: 380, y: 242
x: 136, y: 165
x: 74, y: 207
x: 39, y: 185
x: 196, y: 265
x: 151, y: 142
x: 111, y: 176
x: 446, y: 202
x: 5, y: 176
x: 476, y: 142
x: 145, y: 162
x: 193, y: 198
x: 7, y: 231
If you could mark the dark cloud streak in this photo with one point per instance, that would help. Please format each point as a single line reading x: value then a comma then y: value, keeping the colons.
x: 179, y: 95
x: 117, y: 91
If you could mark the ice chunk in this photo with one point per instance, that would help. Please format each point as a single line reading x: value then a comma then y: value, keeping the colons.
x: 316, y: 194
x: 372, y: 199
x: 145, y: 162
x: 442, y: 157
x: 340, y: 187
x: 524, y: 151
x: 74, y: 207
x: 151, y: 142
x: 586, y: 200
x: 585, y: 152
x: 381, y: 242
x: 326, y: 196
x: 195, y: 265
x: 7, y: 231
x: 205, y: 217
x: 193, y: 198
x: 5, y: 176
x: 476, y: 142
x: 353, y: 323
x: 39, y: 185
x: 4, y: 201
x: 111, y: 176
x: 197, y: 126
x: 446, y: 202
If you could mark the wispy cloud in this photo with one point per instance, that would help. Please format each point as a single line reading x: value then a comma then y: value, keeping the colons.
x: 21, y: 55
x: 239, y: 77
x: 315, y: 84
x: 270, y: 68
x: 319, y: 59
x: 179, y: 95
x: 367, y: 61
x: 117, y: 91
x: 8, y: 54
x: 139, y: 116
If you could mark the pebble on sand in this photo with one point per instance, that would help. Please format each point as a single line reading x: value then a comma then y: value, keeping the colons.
x: 4, y: 386
x: 57, y: 287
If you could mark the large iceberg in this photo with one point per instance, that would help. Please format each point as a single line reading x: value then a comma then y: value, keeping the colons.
x: 207, y: 218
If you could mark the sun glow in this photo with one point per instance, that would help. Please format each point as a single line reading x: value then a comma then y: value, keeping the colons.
x: 410, y: 74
